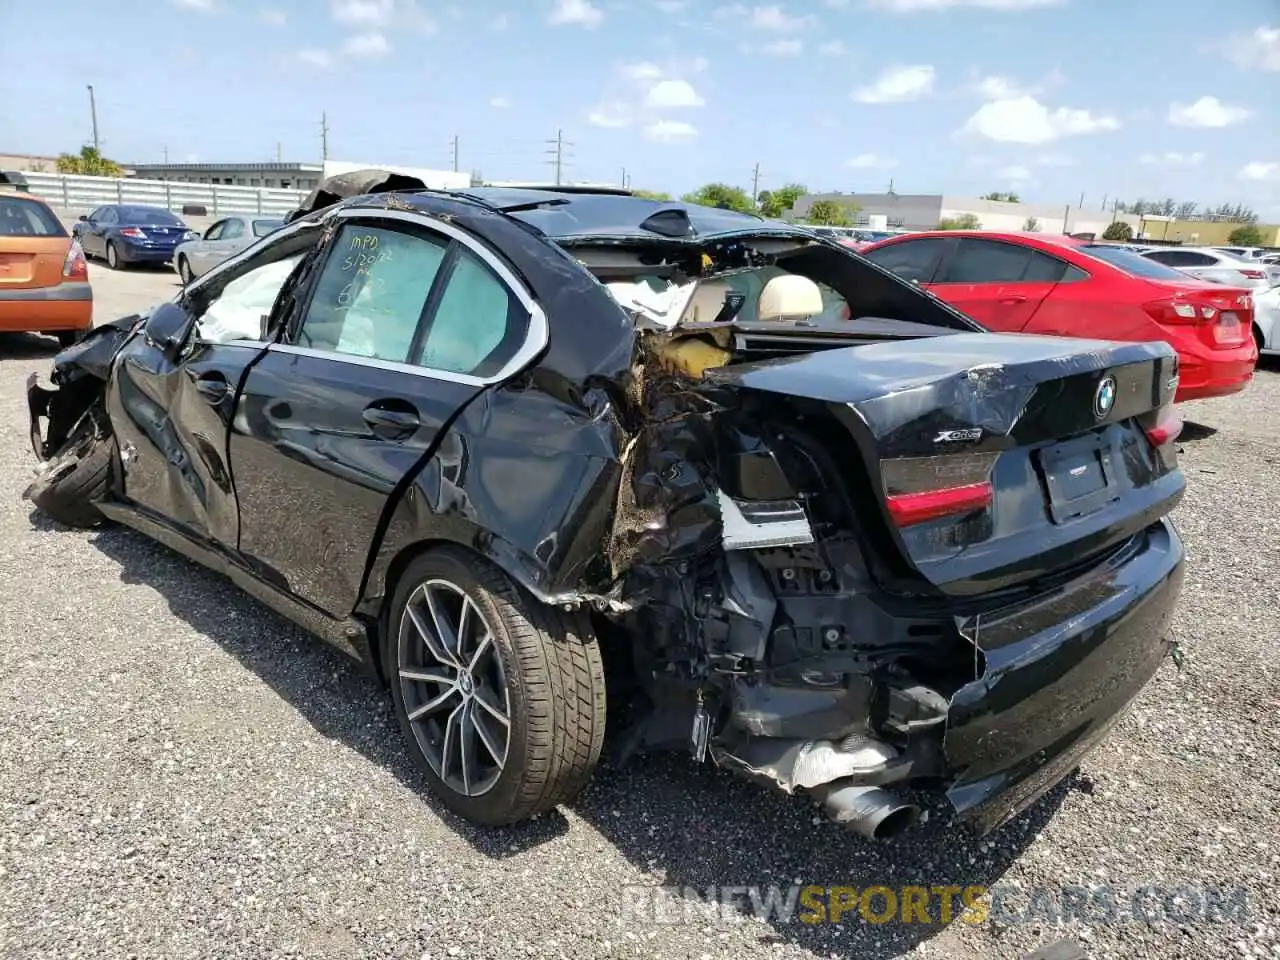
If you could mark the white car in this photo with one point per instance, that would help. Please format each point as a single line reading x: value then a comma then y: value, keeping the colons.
x: 1206, y: 263
x: 1266, y: 320
x: 222, y: 240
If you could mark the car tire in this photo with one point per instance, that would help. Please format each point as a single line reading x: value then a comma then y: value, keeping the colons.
x: 547, y: 664
x: 1257, y: 338
x: 74, y: 479
x: 184, y: 271
x: 113, y: 258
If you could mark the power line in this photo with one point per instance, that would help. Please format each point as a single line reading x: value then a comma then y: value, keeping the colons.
x: 557, y: 154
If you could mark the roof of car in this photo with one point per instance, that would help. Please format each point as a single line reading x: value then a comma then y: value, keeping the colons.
x: 563, y: 214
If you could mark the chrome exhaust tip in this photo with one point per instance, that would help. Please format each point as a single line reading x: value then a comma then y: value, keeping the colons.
x: 872, y: 812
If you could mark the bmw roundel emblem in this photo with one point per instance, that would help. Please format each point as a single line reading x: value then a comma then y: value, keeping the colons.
x: 1104, y: 397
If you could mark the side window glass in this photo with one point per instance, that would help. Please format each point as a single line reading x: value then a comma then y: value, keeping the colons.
x: 1044, y: 269
x: 371, y: 293
x: 1200, y: 260
x: 477, y: 326
x: 108, y: 215
x: 1169, y: 258
x: 911, y: 260
x: 985, y: 261
x: 232, y: 230
x: 215, y: 232
x: 238, y: 310
x: 1074, y: 274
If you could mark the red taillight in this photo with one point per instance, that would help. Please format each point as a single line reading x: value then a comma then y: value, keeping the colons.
x: 920, y: 489
x: 1166, y: 429
x: 133, y: 232
x: 1253, y: 274
x: 1179, y: 310
x: 911, y: 508
x: 74, y: 266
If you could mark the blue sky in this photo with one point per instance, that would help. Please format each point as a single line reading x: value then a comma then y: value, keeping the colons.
x: 1051, y: 98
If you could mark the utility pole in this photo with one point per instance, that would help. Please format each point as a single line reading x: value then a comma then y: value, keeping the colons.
x: 324, y: 136
x: 166, y: 153
x: 1081, y: 203
x: 557, y: 154
x: 93, y: 112
x: 624, y: 178
x: 454, y: 145
x: 755, y: 182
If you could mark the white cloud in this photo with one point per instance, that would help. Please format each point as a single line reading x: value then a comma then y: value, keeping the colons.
x: 582, y: 13
x: 899, y: 84
x: 1206, y: 112
x: 833, y: 48
x: 274, y: 18
x: 1172, y: 158
x: 871, y: 161
x: 315, y: 58
x: 613, y: 114
x: 1027, y: 120
x: 1014, y: 174
x: 670, y: 131
x: 673, y: 93
x: 370, y: 13
x: 372, y: 44
x: 1259, y: 50
x: 499, y: 103
x: 643, y: 70
x: 1260, y: 170
x: 998, y: 88
x: 777, y: 20
x: 790, y: 47
x: 204, y: 6
x: 921, y: 6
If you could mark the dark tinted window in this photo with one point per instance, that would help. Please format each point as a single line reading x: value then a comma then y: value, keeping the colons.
x: 27, y: 218
x: 1181, y: 258
x: 987, y: 261
x: 1131, y: 263
x: 148, y: 215
x: 912, y: 259
x: 1044, y: 268
x: 263, y: 227
x: 1073, y: 274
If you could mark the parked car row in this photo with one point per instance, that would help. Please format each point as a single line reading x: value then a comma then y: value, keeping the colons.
x: 556, y: 452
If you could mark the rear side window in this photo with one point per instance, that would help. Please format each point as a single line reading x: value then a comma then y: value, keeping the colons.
x: 1181, y: 258
x: 28, y: 218
x: 1134, y: 264
x: 477, y: 325
x: 912, y: 259
x: 1046, y: 269
x: 372, y: 293
x: 152, y: 216
x: 986, y: 261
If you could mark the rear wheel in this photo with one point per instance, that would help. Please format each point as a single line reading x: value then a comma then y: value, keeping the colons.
x: 1257, y: 338
x: 74, y: 479
x: 501, y: 699
x: 113, y: 258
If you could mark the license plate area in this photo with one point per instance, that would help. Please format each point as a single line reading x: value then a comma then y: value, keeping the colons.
x: 1079, y: 477
x: 1228, y: 329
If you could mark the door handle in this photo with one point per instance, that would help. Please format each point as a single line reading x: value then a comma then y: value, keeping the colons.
x: 212, y: 387
x: 1013, y: 298
x: 391, y: 424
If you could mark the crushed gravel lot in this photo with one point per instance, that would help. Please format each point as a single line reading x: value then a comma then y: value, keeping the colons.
x: 184, y: 774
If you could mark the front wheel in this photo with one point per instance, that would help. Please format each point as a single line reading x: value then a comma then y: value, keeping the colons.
x: 501, y: 699
x: 74, y: 479
x: 184, y: 271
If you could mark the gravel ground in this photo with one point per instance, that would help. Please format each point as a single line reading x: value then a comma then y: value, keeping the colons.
x: 183, y: 774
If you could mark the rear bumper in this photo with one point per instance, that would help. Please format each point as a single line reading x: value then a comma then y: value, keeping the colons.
x: 135, y: 253
x: 1204, y: 372
x: 67, y: 306
x: 1059, y: 673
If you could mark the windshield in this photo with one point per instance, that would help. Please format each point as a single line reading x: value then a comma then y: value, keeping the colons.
x: 27, y: 218
x: 263, y: 227
x: 152, y: 216
x: 1131, y: 263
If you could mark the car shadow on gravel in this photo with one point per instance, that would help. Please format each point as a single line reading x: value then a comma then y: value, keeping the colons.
x: 1193, y: 432
x: 679, y: 824
x: 20, y: 346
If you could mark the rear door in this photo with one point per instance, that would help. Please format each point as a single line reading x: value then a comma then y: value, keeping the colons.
x: 407, y: 322
x: 33, y: 246
x: 998, y: 283
x: 94, y: 237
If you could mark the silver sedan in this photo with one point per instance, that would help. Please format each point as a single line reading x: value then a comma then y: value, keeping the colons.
x: 223, y: 239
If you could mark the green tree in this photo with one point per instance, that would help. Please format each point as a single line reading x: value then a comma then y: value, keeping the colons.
x: 966, y: 221
x: 774, y: 203
x: 652, y: 194
x: 1001, y: 196
x: 1031, y: 225
x: 1246, y: 236
x: 1118, y: 230
x: 89, y: 163
x: 723, y: 196
x: 829, y: 213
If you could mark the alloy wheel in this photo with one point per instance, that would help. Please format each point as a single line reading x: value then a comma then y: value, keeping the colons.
x: 454, y: 687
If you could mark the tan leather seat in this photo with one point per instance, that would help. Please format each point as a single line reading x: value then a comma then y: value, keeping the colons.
x: 707, y: 301
x: 788, y: 298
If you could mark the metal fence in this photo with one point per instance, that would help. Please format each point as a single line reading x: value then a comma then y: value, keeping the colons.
x: 217, y: 199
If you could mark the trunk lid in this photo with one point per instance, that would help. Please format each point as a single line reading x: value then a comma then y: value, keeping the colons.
x: 29, y: 262
x: 996, y: 460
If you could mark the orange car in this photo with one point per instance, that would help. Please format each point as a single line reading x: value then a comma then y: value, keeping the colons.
x: 44, y: 282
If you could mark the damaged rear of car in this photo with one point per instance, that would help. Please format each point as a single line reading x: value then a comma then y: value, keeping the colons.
x: 807, y: 521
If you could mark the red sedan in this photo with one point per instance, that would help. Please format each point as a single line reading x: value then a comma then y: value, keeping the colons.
x: 1038, y: 283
